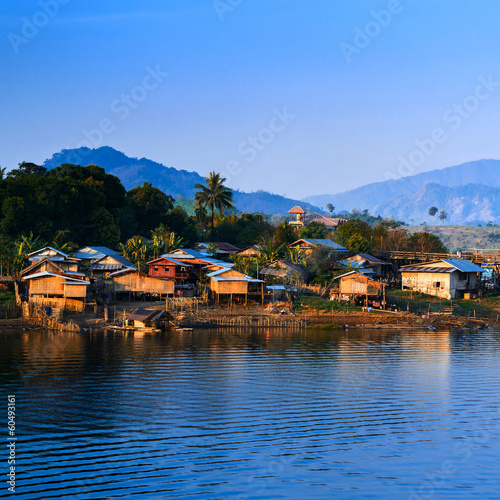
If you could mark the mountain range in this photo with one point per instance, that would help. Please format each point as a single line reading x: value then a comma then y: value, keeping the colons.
x: 469, y: 193
x: 176, y: 183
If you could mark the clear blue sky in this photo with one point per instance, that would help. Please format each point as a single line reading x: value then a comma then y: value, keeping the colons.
x: 355, y: 106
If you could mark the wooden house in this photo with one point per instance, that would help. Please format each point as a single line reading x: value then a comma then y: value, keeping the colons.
x: 250, y: 252
x: 91, y: 254
x: 449, y: 279
x: 132, y: 281
x: 285, y: 272
x: 109, y: 264
x: 309, y: 245
x: 143, y: 318
x: 58, y: 290
x: 330, y: 223
x: 359, y: 288
x: 233, y: 284
x: 298, y: 218
x: 195, y: 258
x: 380, y: 268
x: 57, y: 267
x: 164, y: 267
x: 63, y: 260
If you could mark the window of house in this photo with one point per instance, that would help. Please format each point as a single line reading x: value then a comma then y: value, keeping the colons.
x: 437, y: 284
x: 156, y: 269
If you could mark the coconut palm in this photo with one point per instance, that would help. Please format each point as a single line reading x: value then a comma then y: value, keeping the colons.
x: 214, y: 195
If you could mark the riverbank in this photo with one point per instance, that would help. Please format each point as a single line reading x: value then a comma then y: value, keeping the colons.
x: 324, y: 314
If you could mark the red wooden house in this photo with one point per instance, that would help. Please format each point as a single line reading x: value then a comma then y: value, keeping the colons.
x: 165, y: 267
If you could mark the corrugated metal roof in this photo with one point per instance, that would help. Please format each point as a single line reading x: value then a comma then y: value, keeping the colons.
x: 47, y: 248
x: 420, y: 269
x: 359, y: 274
x: 466, y: 266
x: 105, y: 267
x: 176, y: 262
x: 41, y: 275
x: 323, y: 242
x: 369, y: 258
x: 144, y: 314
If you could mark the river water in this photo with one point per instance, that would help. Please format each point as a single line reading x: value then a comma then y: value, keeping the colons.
x: 253, y: 414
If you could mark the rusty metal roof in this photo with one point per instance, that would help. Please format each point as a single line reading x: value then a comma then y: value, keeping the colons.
x: 420, y: 269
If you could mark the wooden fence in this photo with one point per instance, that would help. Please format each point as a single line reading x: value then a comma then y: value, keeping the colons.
x: 9, y: 311
x: 38, y: 316
x: 258, y: 321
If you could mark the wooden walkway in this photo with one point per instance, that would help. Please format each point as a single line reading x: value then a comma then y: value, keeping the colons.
x: 478, y: 256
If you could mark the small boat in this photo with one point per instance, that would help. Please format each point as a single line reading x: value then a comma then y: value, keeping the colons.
x: 431, y: 328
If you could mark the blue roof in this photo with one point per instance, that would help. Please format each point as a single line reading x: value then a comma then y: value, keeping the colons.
x: 355, y: 266
x: 94, y: 253
x: 188, y: 253
x: 466, y: 266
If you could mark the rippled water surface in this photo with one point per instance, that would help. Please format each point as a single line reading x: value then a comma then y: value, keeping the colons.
x: 246, y: 414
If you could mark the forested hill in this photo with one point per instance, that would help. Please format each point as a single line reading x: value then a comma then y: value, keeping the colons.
x: 135, y: 171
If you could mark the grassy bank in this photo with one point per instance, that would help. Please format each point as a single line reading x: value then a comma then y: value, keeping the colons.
x: 7, y: 297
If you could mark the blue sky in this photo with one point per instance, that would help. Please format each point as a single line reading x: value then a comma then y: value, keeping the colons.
x: 294, y: 97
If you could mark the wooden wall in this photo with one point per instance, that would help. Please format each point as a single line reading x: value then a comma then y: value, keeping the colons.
x: 229, y: 286
x: 359, y: 285
x: 140, y: 282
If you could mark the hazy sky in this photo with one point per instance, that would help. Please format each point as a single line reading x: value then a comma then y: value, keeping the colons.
x: 296, y: 97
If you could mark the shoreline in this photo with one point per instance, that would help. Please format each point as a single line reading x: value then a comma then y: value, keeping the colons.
x: 257, y: 317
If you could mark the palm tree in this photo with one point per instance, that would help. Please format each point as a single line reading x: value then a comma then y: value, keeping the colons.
x: 214, y: 195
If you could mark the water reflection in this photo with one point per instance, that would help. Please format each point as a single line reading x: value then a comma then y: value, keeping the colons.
x: 255, y: 414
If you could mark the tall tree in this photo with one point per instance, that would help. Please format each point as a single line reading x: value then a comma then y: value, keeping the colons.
x: 443, y: 215
x: 433, y: 211
x: 214, y: 195
x: 330, y: 208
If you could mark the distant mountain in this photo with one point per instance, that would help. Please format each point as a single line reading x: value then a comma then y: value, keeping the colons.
x: 470, y: 204
x: 371, y: 195
x: 134, y: 172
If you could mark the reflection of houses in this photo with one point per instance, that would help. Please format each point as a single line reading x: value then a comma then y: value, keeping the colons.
x: 363, y: 260
x: 110, y: 264
x: 284, y: 271
x: 299, y: 218
x: 131, y: 281
x: 448, y: 279
x: 309, y: 245
x: 358, y: 287
x: 233, y: 284
x: 164, y: 267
